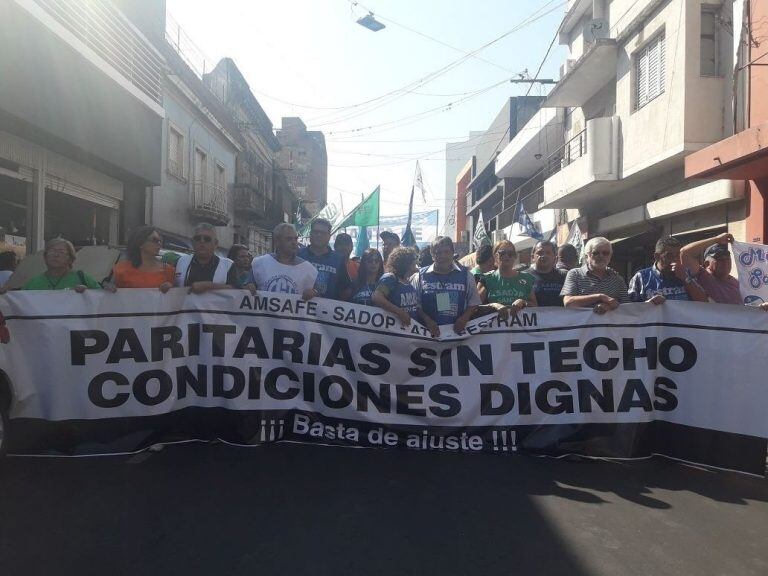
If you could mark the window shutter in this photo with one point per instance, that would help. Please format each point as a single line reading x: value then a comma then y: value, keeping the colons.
x: 173, y: 151
x: 649, y: 72
x: 662, y: 65
x: 641, y: 74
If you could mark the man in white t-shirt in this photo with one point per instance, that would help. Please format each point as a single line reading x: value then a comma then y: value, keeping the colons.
x: 283, y: 271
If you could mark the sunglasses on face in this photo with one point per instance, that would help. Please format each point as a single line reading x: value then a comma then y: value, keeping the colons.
x: 201, y: 238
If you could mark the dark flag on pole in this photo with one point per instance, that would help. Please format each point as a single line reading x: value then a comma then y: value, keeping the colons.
x: 408, y: 239
x: 527, y: 227
x: 481, y: 235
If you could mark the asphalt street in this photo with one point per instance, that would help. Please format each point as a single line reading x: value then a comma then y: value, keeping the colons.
x: 293, y: 509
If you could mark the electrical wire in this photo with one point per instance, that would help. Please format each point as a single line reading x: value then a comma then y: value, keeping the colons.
x: 397, y: 93
x: 427, y: 36
x: 425, y: 113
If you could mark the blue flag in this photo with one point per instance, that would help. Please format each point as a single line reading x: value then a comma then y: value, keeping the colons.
x: 527, y: 227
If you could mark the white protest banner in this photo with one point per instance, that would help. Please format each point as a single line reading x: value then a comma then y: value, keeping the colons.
x: 752, y: 271
x: 99, y: 372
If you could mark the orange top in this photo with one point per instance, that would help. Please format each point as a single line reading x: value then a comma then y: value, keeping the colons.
x: 353, y: 267
x: 126, y: 276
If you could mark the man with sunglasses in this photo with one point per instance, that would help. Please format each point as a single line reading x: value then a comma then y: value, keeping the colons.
x: 667, y: 279
x: 332, y: 277
x: 204, y: 270
x: 595, y: 284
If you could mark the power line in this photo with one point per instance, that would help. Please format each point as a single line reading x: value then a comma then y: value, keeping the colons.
x: 535, y: 77
x: 428, y: 37
x: 442, y: 108
x: 397, y: 93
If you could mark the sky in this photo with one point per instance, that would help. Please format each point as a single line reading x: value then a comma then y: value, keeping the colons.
x: 383, y: 99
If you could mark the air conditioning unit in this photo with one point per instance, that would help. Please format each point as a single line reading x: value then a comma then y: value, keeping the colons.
x: 566, y: 67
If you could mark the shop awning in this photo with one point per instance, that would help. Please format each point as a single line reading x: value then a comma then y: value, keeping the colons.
x: 743, y: 156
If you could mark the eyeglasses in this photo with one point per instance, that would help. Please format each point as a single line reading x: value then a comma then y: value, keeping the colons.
x: 202, y: 238
x: 504, y: 253
x: 605, y: 253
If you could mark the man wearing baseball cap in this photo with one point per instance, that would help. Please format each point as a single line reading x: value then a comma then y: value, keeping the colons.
x: 715, y: 275
x: 389, y: 241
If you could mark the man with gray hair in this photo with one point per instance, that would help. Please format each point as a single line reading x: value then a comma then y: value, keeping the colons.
x: 595, y: 284
x: 204, y: 270
x: 283, y: 271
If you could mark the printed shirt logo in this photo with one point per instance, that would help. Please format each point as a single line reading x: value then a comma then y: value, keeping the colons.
x: 281, y: 283
x: 5, y: 334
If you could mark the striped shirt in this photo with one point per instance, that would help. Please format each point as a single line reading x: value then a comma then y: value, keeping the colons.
x: 582, y: 282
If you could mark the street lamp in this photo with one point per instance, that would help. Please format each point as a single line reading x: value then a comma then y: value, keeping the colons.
x: 369, y: 21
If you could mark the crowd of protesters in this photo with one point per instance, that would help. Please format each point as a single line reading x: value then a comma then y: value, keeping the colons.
x: 429, y: 286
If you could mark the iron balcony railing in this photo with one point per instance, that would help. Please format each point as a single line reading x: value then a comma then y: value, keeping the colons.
x: 574, y: 149
x: 530, y: 194
x: 106, y: 31
x: 252, y: 203
x: 209, y: 202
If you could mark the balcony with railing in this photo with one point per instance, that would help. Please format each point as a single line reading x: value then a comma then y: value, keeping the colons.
x: 585, y: 167
x: 209, y: 203
x: 567, y: 154
x: 529, y: 193
x: 252, y: 184
x: 104, y: 30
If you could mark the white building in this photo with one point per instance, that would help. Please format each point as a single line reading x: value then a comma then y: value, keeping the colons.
x: 646, y: 82
x: 200, y: 143
x: 457, y: 154
x: 81, y: 116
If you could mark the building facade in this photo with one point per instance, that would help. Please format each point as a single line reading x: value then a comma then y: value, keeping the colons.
x: 81, y: 121
x: 200, y: 144
x: 743, y: 157
x: 645, y: 84
x: 304, y: 160
x: 486, y: 193
x: 457, y: 154
x: 258, y: 201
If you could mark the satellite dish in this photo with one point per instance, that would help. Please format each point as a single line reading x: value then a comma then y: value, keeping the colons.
x: 596, y: 30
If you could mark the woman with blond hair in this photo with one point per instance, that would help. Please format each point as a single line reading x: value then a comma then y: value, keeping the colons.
x: 59, y: 257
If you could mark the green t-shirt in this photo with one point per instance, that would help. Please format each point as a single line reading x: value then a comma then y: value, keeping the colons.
x: 69, y: 280
x: 507, y: 290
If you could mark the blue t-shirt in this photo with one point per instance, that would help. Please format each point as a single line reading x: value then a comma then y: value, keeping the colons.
x: 332, y: 275
x: 649, y: 282
x: 402, y: 295
x: 445, y: 297
x: 364, y: 295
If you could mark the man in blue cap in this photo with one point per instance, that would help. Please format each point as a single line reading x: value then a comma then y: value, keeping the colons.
x: 714, y: 276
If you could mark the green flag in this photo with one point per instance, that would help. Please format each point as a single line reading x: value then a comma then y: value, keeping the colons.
x: 364, y: 214
x: 362, y: 241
